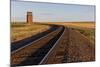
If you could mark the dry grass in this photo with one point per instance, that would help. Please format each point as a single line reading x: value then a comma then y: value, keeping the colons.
x: 88, y: 25
x: 21, y: 30
x: 76, y: 24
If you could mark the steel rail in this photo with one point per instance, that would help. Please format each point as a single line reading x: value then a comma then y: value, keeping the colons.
x: 50, y: 51
x: 32, y: 42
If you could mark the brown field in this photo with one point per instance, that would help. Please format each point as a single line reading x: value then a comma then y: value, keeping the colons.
x: 76, y: 24
x: 21, y: 30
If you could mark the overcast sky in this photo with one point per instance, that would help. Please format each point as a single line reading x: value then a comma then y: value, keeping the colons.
x: 49, y: 12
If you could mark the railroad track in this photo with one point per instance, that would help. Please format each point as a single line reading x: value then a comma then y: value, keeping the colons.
x: 63, y: 45
x: 72, y: 46
x: 18, y: 44
x: 59, y: 52
x: 37, y: 51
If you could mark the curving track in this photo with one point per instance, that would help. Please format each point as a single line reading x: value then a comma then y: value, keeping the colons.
x: 35, y: 52
x: 18, y: 44
x: 72, y: 47
x: 62, y: 45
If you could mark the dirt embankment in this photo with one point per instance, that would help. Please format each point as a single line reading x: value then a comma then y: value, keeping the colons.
x: 80, y: 49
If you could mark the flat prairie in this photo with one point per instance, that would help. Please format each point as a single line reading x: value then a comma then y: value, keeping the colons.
x: 21, y: 30
x: 76, y: 24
